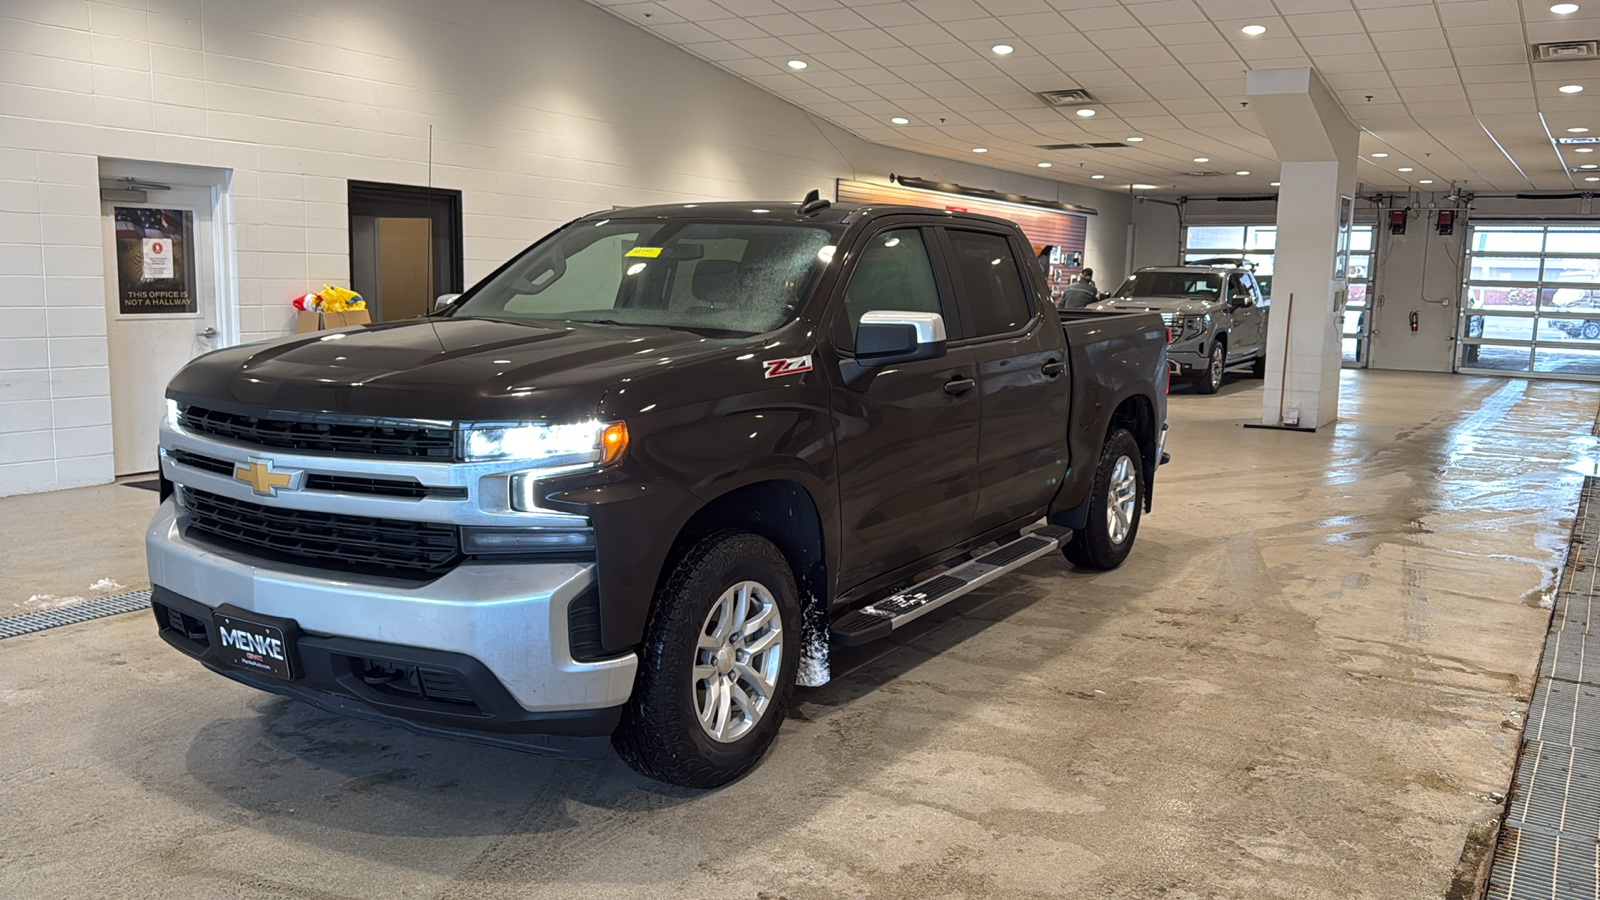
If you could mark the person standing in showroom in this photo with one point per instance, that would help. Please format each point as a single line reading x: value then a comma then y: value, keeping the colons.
x: 1081, y: 292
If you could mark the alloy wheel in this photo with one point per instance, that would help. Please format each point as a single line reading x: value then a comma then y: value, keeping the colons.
x: 737, y: 660
x: 1122, y: 499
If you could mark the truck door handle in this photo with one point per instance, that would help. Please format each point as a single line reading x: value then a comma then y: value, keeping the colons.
x: 959, y: 384
x: 1053, y: 367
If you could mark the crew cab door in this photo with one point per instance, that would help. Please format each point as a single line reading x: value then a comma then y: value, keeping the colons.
x: 1023, y: 386
x: 906, y: 434
x: 1245, y: 339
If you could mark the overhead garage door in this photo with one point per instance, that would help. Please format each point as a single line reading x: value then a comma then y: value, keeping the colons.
x: 1257, y: 244
x: 1532, y: 301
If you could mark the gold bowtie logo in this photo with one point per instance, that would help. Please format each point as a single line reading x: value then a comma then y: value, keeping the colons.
x: 259, y: 475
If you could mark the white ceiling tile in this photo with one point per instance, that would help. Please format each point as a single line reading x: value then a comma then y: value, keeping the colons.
x: 1238, y: 9
x: 987, y: 30
x: 1122, y: 39
x: 852, y: 93
x: 1393, y: 17
x: 719, y: 51
x: 1101, y: 18
x: 949, y: 10
x: 1121, y: 95
x: 840, y: 19
x: 1038, y: 23
x: 1399, y: 60
x: 842, y: 60
x: 1481, y: 12
x: 1424, y: 77
x: 1153, y: 75
x: 897, y: 92
x: 732, y: 29
x: 646, y: 13
x: 1017, y: 66
x: 873, y: 76
x: 1168, y: 12
x: 1430, y: 93
x: 868, y: 39
x: 695, y: 10
x: 1207, y: 73
x: 1179, y: 35
x: 1523, y: 91
x: 1401, y: 42
x: 1055, y: 82
x: 1268, y: 48
x: 807, y: 5
x: 1355, y: 62
x: 1499, y: 106
x: 884, y: 15
x: 1205, y: 53
x: 1014, y: 7
x: 1483, y: 36
x: 1336, y: 44
x: 1140, y: 108
x: 824, y: 79
x: 948, y: 53
x: 747, y: 8
x: 946, y: 89
x: 973, y: 70
x: 1490, y: 74
x: 765, y: 47
x: 1324, y: 23
x: 898, y: 57
x: 684, y: 33
x: 817, y: 44
x: 919, y: 35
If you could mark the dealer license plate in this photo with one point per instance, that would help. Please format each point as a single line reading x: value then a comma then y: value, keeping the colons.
x: 254, y: 645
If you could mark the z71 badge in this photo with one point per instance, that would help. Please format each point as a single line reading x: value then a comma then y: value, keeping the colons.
x: 794, y: 365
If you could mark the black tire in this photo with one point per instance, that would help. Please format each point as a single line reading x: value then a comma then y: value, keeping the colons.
x: 1094, y: 546
x: 1591, y: 330
x: 1209, y: 379
x: 661, y: 735
x: 1258, y: 369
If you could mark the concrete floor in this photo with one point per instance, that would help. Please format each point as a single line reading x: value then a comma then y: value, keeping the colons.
x: 1307, y: 682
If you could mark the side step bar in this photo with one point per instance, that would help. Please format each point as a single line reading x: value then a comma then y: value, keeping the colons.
x: 880, y: 619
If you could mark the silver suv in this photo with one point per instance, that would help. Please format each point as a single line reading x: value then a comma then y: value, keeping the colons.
x: 1215, y: 313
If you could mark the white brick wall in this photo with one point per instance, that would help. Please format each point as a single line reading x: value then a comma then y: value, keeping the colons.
x: 542, y: 110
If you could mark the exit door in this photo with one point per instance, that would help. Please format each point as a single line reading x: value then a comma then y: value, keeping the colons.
x: 161, y: 306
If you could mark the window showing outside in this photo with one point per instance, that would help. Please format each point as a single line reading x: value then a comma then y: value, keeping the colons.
x: 1532, y: 300
x: 1257, y: 244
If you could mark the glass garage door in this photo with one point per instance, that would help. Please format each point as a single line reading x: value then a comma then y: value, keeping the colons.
x: 1532, y: 301
x: 1257, y: 243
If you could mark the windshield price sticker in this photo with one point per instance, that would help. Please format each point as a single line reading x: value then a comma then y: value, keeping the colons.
x: 646, y: 252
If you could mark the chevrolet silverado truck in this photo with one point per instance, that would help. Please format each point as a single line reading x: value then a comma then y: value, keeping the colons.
x: 1215, y: 309
x: 630, y: 488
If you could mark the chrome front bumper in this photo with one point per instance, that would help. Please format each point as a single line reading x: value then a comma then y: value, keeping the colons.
x: 512, y: 617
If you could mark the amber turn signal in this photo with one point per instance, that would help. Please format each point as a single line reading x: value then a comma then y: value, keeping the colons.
x: 613, y: 442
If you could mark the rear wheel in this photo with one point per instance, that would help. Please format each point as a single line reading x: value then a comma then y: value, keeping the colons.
x: 1209, y: 380
x: 1258, y: 369
x: 717, y: 667
x: 1114, y: 506
x: 1591, y: 330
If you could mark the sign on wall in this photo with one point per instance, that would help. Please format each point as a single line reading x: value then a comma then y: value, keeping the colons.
x: 155, y: 260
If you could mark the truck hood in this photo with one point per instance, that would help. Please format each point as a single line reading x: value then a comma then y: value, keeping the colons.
x: 447, y: 369
x: 1183, y: 306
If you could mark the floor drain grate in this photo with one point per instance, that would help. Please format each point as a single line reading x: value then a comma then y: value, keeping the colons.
x: 28, y: 623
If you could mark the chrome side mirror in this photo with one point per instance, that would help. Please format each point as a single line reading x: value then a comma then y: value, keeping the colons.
x: 886, y: 337
x: 444, y: 300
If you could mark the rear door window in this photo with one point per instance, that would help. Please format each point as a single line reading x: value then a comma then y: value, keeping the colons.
x: 986, y: 267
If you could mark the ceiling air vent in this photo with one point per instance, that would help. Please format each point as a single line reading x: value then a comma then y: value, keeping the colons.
x: 1092, y: 145
x: 1565, y: 50
x: 1072, y: 97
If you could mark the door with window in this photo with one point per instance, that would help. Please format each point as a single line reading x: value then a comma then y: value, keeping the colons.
x: 161, y: 260
x: 1532, y: 301
x: 1022, y: 381
x: 906, y: 435
x: 1355, y: 322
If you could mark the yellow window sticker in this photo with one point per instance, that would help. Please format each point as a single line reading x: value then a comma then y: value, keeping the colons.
x: 648, y: 252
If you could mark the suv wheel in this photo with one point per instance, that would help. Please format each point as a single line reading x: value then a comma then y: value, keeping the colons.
x: 1209, y: 380
x: 1115, y: 505
x: 717, y: 666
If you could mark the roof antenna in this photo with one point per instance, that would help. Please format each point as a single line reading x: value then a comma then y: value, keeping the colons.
x: 813, y: 203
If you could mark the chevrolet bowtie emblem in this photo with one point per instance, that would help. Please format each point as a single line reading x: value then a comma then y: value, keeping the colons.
x: 263, y: 480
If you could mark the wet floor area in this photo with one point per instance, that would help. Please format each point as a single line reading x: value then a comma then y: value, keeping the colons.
x: 1309, y: 681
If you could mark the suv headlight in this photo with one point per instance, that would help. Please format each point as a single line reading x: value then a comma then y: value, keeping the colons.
x: 547, y: 446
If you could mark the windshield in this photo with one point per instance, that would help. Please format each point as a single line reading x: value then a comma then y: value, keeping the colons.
x: 723, y: 277
x: 1203, y: 285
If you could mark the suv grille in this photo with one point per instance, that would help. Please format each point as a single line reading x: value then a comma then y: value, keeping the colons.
x: 352, y: 437
x: 348, y: 543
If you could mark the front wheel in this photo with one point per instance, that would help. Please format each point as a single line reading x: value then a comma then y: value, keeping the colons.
x: 718, y: 663
x: 1114, y: 506
x: 1209, y: 381
x: 1591, y: 330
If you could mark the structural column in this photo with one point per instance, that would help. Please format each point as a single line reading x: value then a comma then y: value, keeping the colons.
x: 1317, y: 145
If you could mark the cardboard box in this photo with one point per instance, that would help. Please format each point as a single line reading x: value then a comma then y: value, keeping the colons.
x: 320, y: 321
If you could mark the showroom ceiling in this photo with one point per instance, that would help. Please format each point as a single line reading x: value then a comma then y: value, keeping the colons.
x: 1445, y: 88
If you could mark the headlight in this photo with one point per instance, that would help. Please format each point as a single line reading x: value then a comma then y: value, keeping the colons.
x: 1186, y: 327
x: 548, y: 446
x: 174, y: 413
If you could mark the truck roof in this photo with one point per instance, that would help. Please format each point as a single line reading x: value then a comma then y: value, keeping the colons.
x: 787, y: 211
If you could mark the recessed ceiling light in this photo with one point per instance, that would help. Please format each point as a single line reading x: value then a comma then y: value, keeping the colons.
x: 1242, y: 172
x: 1097, y: 177
x: 1426, y: 181
x: 1593, y: 178
x: 1134, y: 140
x: 1583, y: 150
x: 1044, y: 165
x: 1277, y: 184
x: 1564, y: 9
x: 1589, y: 166
x: 1254, y: 30
x: 1577, y: 131
x: 980, y: 149
x: 1086, y: 113
x: 1202, y: 159
x: 900, y: 120
x: 797, y: 64
x: 1570, y: 88
x: 1002, y: 49
x: 1143, y: 187
x: 1406, y: 169
x: 1379, y: 155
